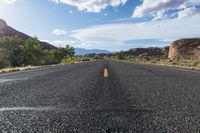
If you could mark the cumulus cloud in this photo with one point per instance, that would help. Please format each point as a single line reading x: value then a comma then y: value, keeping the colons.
x: 188, y: 12
x: 118, y: 33
x: 61, y: 43
x: 159, y: 9
x: 59, y: 32
x: 10, y: 1
x: 91, y: 5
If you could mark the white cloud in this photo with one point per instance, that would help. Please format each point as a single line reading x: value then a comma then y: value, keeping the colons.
x: 188, y: 12
x: 119, y: 34
x: 157, y: 25
x: 140, y: 25
x: 59, y: 32
x: 91, y: 5
x: 10, y: 1
x: 54, y: 1
x: 158, y: 8
x: 61, y: 43
x: 159, y: 15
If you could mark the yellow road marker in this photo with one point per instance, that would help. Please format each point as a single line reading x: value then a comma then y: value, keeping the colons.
x: 105, y: 73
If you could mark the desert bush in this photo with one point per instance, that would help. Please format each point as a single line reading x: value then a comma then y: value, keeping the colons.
x: 175, y: 62
x: 85, y: 59
x: 97, y: 57
x: 194, y: 63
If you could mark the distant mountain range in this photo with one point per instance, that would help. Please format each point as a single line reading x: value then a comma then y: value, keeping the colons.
x: 6, y: 30
x: 82, y: 51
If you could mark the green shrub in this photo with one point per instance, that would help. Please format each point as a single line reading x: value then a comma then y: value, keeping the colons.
x: 165, y: 55
x: 153, y: 61
x: 146, y: 58
x: 175, y: 62
x: 32, y: 53
x: 85, y: 59
x: 120, y: 55
x: 97, y: 57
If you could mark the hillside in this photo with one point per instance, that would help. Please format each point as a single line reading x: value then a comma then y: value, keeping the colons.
x: 6, y: 30
x: 10, y: 39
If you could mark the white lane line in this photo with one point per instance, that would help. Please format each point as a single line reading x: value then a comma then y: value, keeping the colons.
x: 51, y: 108
x: 9, y: 80
x: 5, y: 80
x: 28, y: 109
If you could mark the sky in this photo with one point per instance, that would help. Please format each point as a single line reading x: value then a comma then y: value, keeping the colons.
x: 104, y: 24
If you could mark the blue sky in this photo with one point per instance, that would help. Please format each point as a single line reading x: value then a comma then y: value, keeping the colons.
x: 104, y: 24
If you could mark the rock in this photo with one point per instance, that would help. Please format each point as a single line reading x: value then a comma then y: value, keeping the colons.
x: 185, y: 49
x: 152, y: 51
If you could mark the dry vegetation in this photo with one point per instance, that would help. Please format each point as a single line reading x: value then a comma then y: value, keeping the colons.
x: 190, y: 64
x: 12, y: 69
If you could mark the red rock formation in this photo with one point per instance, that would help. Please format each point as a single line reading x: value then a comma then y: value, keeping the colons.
x: 152, y: 51
x: 185, y: 49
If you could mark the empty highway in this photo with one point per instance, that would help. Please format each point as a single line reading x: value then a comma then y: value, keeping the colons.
x: 101, y: 96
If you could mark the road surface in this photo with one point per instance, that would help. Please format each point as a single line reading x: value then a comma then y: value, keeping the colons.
x: 100, y: 97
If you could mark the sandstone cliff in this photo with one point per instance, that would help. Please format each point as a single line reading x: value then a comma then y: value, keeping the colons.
x: 185, y: 49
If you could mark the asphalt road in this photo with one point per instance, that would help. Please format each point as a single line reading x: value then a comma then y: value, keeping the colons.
x: 78, y: 98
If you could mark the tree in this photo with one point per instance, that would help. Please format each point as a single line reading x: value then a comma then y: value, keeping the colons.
x: 10, y: 42
x: 31, y: 53
x: 71, y: 50
x: 97, y: 57
x: 120, y: 55
x: 66, y: 52
x: 7, y: 45
x: 17, y: 57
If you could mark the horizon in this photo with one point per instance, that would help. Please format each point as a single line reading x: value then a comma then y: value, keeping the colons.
x: 111, y: 25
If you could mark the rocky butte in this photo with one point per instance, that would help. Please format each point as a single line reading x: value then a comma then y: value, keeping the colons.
x: 185, y: 49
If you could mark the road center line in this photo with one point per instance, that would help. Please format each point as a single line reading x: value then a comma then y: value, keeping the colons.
x: 105, y: 73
